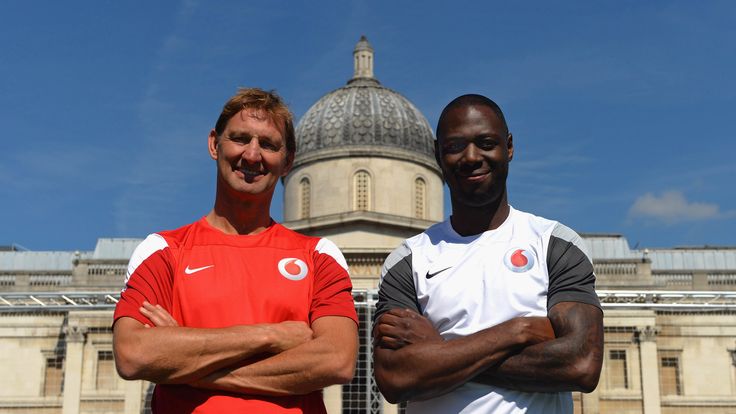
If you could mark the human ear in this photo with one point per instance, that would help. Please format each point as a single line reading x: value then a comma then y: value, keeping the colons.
x: 510, y: 146
x: 212, y: 144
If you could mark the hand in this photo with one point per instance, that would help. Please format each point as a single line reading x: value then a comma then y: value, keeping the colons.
x: 532, y: 329
x: 288, y: 334
x: 400, y: 327
x: 158, y: 315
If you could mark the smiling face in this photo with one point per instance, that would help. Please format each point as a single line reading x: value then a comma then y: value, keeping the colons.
x: 474, y: 149
x: 251, y: 154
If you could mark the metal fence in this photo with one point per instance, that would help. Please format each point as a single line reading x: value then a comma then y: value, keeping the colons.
x: 675, y: 351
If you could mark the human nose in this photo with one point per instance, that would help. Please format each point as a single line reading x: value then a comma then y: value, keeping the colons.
x: 252, y: 151
x: 471, y: 154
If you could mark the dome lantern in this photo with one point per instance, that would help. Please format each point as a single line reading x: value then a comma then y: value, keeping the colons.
x: 363, y: 59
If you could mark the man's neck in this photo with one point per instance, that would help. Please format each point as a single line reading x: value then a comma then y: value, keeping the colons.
x: 469, y: 221
x: 233, y: 215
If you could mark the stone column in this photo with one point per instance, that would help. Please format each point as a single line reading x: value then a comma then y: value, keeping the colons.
x: 732, y: 352
x: 591, y: 402
x: 75, y: 338
x: 647, y: 338
x: 389, y: 408
x: 134, y: 396
x: 700, y: 281
x: 332, y: 397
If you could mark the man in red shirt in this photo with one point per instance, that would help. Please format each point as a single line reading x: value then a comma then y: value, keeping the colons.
x: 234, y: 312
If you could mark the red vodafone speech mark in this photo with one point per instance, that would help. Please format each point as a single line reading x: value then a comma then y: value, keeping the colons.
x: 518, y: 259
x: 292, y: 267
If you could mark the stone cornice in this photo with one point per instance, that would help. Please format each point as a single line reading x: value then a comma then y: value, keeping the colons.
x: 357, y: 217
x: 355, y: 151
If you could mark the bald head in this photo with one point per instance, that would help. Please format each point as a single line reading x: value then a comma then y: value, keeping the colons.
x: 466, y: 101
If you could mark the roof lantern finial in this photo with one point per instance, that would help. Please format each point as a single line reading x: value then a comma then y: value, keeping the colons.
x: 363, y: 59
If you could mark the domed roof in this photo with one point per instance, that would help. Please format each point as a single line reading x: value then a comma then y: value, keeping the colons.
x: 364, y: 118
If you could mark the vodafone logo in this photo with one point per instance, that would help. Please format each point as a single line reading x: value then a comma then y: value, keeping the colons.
x: 293, y: 268
x: 518, y: 260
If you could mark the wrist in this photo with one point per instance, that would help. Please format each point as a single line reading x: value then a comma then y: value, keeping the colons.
x: 267, y: 338
x: 521, y: 337
x: 256, y: 339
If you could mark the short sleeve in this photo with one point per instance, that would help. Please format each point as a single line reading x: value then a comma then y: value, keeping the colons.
x: 149, y: 278
x: 571, y: 276
x: 397, y: 289
x: 332, y: 294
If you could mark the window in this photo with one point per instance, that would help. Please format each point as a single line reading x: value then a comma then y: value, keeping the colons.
x: 361, y: 190
x: 420, y: 197
x: 53, y: 382
x: 305, y: 189
x: 617, y: 370
x: 106, y: 376
x: 669, y: 373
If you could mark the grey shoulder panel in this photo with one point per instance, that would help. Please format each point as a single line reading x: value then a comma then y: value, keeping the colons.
x: 571, y: 276
x: 563, y: 232
x: 396, y: 289
x: 395, y: 257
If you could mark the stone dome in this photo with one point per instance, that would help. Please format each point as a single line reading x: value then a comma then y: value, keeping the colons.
x: 364, y: 118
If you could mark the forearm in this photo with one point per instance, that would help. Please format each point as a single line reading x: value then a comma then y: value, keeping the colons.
x: 180, y: 354
x: 326, y: 360
x: 571, y: 362
x: 415, y: 371
x: 538, y: 368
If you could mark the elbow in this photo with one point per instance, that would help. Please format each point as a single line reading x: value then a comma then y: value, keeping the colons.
x: 393, y: 387
x: 129, y: 366
x: 335, y: 368
x: 588, y: 382
x: 399, y: 382
x: 391, y: 395
x: 127, y: 373
x: 131, y: 360
x: 389, y: 391
x: 346, y: 369
x: 343, y: 371
x: 587, y: 373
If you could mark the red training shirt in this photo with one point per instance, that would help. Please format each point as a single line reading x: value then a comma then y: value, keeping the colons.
x: 208, y: 279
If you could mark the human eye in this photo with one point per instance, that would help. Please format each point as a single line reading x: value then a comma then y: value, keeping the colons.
x: 453, y: 146
x: 269, y: 145
x: 486, y: 143
x: 239, y: 139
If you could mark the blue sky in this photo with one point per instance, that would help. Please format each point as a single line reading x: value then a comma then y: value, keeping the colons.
x: 622, y: 112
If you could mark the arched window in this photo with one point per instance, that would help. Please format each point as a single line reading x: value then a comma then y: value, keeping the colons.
x: 305, y: 189
x: 420, y: 198
x: 362, y: 190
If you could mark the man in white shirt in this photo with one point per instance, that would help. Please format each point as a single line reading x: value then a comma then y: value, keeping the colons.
x: 493, y: 310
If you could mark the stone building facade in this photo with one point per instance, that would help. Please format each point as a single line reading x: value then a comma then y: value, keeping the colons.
x: 365, y: 177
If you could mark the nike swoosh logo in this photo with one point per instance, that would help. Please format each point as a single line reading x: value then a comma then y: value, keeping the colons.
x: 195, y: 270
x: 431, y: 275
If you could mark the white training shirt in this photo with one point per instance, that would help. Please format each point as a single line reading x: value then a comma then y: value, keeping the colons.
x: 466, y: 284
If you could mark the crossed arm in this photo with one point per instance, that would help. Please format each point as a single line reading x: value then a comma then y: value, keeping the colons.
x: 560, y: 352
x: 271, y: 359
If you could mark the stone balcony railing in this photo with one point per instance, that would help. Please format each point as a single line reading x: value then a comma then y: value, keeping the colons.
x: 638, y: 273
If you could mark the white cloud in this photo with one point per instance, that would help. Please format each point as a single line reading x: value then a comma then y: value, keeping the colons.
x: 672, y: 207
